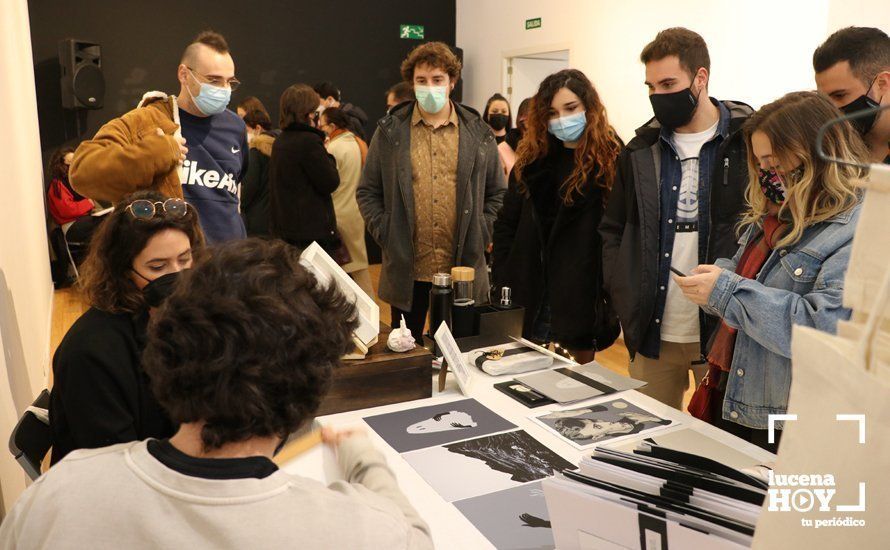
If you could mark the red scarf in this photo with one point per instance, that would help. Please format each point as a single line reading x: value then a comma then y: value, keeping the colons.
x: 753, y: 258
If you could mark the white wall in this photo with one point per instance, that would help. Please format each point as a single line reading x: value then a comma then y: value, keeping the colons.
x: 760, y: 49
x: 25, y: 283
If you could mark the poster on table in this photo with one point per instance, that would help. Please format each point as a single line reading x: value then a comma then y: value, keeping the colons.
x: 607, y: 421
x: 512, y: 519
x: 688, y: 438
x: 578, y: 383
x: 423, y: 427
x: 486, y: 464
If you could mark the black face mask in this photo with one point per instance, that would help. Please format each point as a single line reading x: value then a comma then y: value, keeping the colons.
x: 158, y: 290
x: 674, y: 110
x: 498, y: 121
x: 862, y: 125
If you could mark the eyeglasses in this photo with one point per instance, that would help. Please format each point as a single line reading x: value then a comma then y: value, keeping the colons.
x: 217, y: 81
x: 144, y: 209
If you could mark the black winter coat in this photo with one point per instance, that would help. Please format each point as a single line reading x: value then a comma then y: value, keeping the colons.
x: 631, y: 226
x: 569, y: 263
x: 302, y: 176
x: 255, y: 187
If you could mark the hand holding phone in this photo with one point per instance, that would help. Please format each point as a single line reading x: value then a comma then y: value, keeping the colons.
x: 678, y: 272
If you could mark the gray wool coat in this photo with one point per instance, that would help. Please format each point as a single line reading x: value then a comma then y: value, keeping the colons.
x: 386, y: 199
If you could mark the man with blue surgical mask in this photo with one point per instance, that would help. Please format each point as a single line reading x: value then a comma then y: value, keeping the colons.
x: 186, y: 146
x: 431, y: 187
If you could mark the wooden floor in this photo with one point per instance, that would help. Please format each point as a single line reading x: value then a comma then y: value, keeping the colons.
x: 68, y: 306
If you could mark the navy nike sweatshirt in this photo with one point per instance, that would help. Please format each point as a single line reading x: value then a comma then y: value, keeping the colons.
x: 213, y: 170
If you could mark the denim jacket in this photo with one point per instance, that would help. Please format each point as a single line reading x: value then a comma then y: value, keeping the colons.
x: 801, y: 284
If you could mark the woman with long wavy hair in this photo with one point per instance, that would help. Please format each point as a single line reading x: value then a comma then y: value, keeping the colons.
x: 546, y: 245
x: 789, y: 270
x: 101, y: 394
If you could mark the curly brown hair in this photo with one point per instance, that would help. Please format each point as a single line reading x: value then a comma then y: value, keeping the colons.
x: 105, y: 276
x: 435, y: 54
x: 247, y: 342
x: 597, y: 149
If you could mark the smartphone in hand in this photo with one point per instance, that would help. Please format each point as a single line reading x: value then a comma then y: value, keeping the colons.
x: 678, y: 272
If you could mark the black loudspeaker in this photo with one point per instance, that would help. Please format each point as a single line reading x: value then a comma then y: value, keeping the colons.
x: 83, y: 85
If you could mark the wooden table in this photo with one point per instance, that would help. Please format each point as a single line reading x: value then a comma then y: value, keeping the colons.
x: 383, y: 377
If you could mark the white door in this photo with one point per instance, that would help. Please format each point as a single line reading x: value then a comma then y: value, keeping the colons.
x: 525, y: 73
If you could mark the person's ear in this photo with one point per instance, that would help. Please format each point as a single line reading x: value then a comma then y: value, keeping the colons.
x: 882, y: 83
x: 182, y: 74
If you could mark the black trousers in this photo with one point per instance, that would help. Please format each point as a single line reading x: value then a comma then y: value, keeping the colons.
x: 416, y: 318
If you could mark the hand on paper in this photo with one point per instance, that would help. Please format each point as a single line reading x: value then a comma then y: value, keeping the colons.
x: 698, y: 286
x: 333, y: 437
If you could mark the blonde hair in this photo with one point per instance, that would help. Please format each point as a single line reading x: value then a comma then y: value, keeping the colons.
x: 824, y: 189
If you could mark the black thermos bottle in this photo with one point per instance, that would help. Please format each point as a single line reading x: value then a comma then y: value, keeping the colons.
x: 441, y: 298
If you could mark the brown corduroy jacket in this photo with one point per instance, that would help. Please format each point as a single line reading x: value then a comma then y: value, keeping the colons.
x: 128, y: 155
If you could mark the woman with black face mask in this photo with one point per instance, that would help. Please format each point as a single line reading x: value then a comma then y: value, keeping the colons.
x: 101, y: 395
x: 497, y: 115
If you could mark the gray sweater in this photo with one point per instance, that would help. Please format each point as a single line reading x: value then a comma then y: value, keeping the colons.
x: 122, y: 497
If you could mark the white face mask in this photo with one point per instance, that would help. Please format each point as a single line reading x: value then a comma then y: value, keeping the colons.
x: 443, y: 422
x: 431, y: 98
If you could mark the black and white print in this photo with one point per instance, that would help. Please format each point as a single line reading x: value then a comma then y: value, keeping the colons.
x: 437, y: 424
x: 592, y: 425
x: 512, y: 519
x: 485, y: 464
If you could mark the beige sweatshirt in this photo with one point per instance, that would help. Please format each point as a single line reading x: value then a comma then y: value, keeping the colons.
x: 122, y: 497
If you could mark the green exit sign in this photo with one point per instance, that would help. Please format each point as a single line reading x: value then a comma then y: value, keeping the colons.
x: 533, y: 23
x: 411, y: 32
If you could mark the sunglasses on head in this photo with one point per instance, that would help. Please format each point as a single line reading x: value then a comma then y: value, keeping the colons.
x: 144, y: 209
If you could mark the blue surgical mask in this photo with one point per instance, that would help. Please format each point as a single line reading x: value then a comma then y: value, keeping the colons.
x: 568, y: 128
x: 211, y: 100
x: 431, y: 98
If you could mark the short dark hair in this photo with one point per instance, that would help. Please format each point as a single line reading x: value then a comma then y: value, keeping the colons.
x: 297, y: 103
x: 105, y: 275
x: 247, y: 343
x: 209, y: 38
x: 435, y: 54
x: 327, y: 89
x: 259, y: 118
x: 403, y: 91
x: 689, y: 47
x: 252, y: 103
x: 337, y: 117
x: 866, y: 49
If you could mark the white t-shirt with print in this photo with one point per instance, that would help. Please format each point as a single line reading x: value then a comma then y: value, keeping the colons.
x: 680, y: 320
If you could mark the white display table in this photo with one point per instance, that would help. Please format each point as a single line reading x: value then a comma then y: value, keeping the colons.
x: 450, y: 529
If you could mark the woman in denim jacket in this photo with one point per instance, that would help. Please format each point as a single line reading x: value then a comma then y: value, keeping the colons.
x: 790, y: 267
